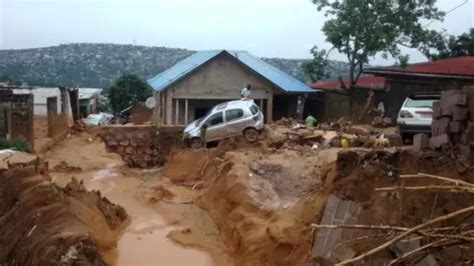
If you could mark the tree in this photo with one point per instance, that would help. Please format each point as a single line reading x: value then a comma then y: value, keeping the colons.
x: 360, y: 29
x: 127, y: 90
x: 462, y: 45
x: 316, y: 69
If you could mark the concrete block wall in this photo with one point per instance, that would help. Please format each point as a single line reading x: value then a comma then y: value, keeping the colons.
x: 452, y: 127
x: 452, y: 122
x: 141, y: 145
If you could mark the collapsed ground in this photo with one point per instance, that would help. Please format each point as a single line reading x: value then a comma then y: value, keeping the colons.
x: 258, y: 204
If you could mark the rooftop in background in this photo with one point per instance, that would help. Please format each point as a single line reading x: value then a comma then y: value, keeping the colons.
x: 87, y: 93
x: 460, y: 67
x: 185, y: 67
x: 364, y: 81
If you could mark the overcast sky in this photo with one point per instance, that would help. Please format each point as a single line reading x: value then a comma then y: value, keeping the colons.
x: 266, y: 28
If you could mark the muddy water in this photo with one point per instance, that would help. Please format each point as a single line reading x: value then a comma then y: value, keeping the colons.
x: 145, y: 241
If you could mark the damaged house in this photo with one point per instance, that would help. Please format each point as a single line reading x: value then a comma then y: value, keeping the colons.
x: 190, y: 88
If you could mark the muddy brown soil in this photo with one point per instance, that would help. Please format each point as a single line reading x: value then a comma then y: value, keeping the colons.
x: 253, y: 204
x: 42, y: 224
x: 357, y: 176
x: 261, y: 201
x: 144, y: 241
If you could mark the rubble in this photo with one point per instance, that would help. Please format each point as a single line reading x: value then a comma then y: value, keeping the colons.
x: 333, y: 135
x: 452, y: 131
x: 382, y: 122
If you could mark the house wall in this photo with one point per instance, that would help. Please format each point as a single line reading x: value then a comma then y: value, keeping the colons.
x: 57, y: 122
x: 218, y: 80
x: 336, y: 105
x: 17, y: 116
x: 40, y: 96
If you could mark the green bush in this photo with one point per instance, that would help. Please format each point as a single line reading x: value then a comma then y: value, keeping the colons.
x: 19, y: 144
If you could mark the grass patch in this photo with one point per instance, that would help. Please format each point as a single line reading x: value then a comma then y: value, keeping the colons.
x: 19, y: 144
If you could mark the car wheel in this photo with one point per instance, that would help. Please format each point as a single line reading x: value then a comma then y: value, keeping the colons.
x: 251, y: 134
x: 197, y: 143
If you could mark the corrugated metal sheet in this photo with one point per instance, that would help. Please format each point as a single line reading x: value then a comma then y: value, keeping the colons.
x: 280, y: 79
x: 180, y: 69
x: 462, y: 66
x: 87, y: 93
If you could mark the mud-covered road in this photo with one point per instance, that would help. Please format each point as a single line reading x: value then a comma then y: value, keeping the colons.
x: 145, y: 240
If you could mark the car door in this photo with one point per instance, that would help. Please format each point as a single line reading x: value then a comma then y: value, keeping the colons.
x: 215, y: 127
x: 235, y: 121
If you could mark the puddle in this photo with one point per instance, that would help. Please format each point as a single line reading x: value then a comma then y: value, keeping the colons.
x: 144, y: 242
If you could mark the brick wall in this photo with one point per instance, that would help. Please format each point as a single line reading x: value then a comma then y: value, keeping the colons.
x: 141, y: 145
x: 58, y: 124
x: 21, y: 117
x: 16, y: 112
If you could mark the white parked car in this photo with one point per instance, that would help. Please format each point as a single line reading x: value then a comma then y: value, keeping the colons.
x: 416, y: 113
x: 97, y: 120
x: 228, y: 119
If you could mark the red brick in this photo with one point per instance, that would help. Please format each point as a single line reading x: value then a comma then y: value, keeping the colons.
x: 460, y: 113
x: 438, y: 141
x: 456, y: 127
x: 421, y: 141
x: 440, y: 126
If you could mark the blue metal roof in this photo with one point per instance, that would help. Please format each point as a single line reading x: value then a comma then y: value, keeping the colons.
x: 280, y: 79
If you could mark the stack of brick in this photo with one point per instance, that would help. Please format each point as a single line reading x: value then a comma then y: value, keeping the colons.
x: 140, y: 146
x: 452, y: 128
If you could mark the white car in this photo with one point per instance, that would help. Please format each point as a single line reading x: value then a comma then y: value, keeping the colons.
x: 228, y: 119
x: 96, y: 120
x: 416, y: 113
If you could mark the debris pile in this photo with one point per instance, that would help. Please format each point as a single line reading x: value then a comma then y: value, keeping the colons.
x: 382, y: 122
x: 452, y: 127
x: 326, y: 136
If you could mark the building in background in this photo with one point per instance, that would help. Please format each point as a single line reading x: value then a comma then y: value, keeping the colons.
x: 434, y: 76
x: 40, y: 96
x: 88, y: 100
x: 187, y: 90
x: 336, y: 100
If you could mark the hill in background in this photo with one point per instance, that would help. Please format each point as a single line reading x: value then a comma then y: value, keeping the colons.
x: 98, y: 65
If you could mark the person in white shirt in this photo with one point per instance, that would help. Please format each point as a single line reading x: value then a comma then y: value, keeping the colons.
x: 245, y: 92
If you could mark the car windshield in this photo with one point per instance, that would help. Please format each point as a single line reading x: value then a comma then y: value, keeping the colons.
x: 254, y: 109
x: 420, y: 103
x: 198, y: 122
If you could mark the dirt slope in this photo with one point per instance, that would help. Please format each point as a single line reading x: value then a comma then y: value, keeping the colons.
x: 42, y: 224
x: 261, y: 204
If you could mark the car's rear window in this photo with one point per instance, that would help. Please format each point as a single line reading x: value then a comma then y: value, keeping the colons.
x: 254, y: 109
x: 420, y: 103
